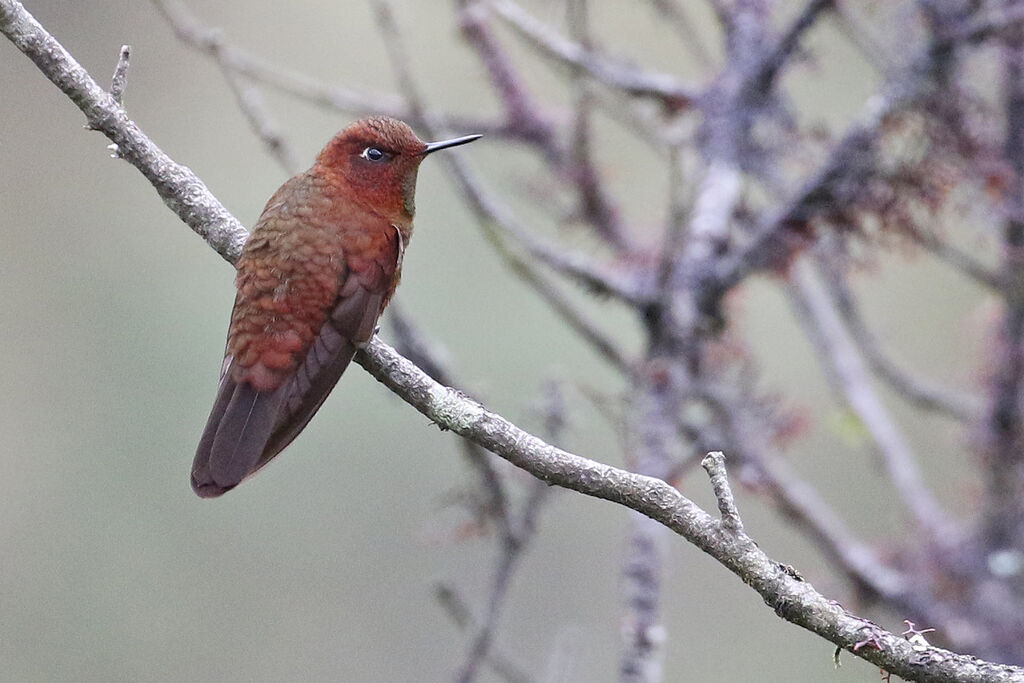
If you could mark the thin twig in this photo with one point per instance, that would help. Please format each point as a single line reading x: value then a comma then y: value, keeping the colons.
x: 490, y: 479
x: 616, y: 74
x: 595, y: 205
x: 491, y: 217
x: 514, y: 536
x: 359, y: 102
x: 676, y: 225
x: 642, y: 632
x: 958, y: 259
x: 178, y: 187
x: 521, y: 112
x: 750, y: 448
x: 771, y: 65
x: 868, y: 44
x: 413, y: 344
x: 508, y: 557
x: 120, y: 78
x: 499, y: 226
x: 452, y: 602
x: 783, y: 231
x: 690, y: 35
x: 653, y: 448
x: 919, y: 391
x: 845, y: 367
x: 250, y: 101
x: 515, y: 544
x: 1004, y: 424
x: 714, y: 464
x: 998, y: 20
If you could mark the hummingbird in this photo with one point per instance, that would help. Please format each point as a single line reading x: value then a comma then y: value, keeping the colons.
x: 314, y: 276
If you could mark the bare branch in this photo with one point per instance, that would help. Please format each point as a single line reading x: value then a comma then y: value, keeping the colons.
x: 791, y: 597
x: 1004, y: 423
x: 960, y: 260
x: 500, y: 227
x: 996, y: 21
x: 481, y: 643
x: 917, y: 390
x: 510, y: 552
x: 676, y: 225
x: 459, y: 612
x: 770, y: 66
x: 361, y: 103
x: 785, y: 230
x: 642, y: 633
x: 654, y: 449
x: 191, y: 32
x: 846, y: 368
x: 615, y: 74
x: 595, y: 204
x: 861, y: 37
x: 515, y: 533
x: 521, y: 112
x: 796, y: 499
x: 801, y: 503
x: 412, y: 343
x: 388, y: 26
x: 491, y: 481
x: 690, y: 35
x: 491, y: 216
x: 180, y: 189
x: 251, y: 102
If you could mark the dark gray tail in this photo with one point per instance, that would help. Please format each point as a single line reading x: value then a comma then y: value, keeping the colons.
x: 236, y: 435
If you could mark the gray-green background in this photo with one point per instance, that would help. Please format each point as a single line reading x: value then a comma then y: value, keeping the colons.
x: 112, y: 319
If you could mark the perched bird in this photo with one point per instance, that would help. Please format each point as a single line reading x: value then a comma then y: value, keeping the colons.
x: 319, y: 267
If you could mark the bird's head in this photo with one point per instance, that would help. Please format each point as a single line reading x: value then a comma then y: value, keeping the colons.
x: 378, y: 158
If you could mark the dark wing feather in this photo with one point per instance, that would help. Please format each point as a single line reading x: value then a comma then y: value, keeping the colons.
x: 202, y: 481
x: 247, y: 428
x: 236, y: 432
x: 242, y: 432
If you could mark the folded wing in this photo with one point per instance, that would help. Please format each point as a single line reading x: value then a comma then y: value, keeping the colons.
x: 248, y: 426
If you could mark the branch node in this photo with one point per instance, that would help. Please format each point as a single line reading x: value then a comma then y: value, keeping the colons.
x: 714, y: 464
x: 117, y: 86
x: 916, y: 635
x: 120, y: 79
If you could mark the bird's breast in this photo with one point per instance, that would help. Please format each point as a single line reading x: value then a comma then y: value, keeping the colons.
x: 289, y: 278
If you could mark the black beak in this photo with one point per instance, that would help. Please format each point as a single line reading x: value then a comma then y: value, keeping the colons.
x: 445, y: 144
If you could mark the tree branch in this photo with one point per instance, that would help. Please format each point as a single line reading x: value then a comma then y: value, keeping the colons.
x: 243, y: 63
x: 920, y: 391
x: 845, y: 367
x: 177, y: 185
x: 613, y: 73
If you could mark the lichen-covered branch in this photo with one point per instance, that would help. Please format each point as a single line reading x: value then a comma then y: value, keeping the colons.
x: 177, y: 185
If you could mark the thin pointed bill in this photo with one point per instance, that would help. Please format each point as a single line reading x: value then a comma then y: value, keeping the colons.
x: 445, y: 144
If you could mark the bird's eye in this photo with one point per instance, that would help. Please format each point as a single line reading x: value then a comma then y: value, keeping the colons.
x: 374, y: 154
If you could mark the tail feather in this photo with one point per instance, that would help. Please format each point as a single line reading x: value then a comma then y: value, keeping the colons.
x: 236, y: 434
